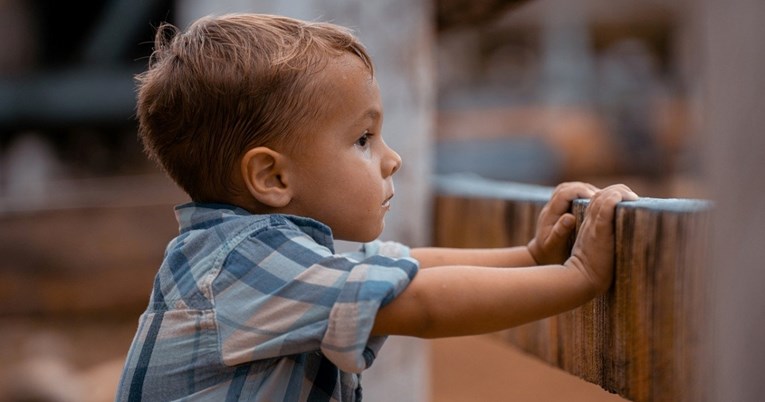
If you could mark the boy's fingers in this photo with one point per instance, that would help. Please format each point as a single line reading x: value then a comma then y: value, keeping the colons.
x: 562, y: 229
x: 606, y: 206
x: 574, y: 190
x: 626, y: 193
x: 560, y: 201
x: 557, y: 239
x: 603, y: 204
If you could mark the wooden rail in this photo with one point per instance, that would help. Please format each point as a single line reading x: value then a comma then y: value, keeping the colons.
x: 639, y: 340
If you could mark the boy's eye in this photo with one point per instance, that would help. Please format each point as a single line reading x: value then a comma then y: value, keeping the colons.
x: 363, y: 140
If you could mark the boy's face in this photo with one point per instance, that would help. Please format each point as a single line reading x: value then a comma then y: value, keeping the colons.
x: 342, y: 170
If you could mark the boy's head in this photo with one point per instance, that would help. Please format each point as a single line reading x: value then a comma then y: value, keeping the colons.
x: 274, y: 115
x: 230, y: 84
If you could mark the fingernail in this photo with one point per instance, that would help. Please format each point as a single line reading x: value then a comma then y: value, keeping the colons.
x: 568, y: 222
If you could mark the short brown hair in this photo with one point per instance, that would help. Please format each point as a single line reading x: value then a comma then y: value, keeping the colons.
x: 227, y: 84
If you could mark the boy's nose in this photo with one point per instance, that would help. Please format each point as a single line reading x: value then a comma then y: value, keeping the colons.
x: 391, y: 163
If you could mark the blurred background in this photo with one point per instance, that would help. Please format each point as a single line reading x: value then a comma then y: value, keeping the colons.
x: 537, y: 91
x: 555, y: 90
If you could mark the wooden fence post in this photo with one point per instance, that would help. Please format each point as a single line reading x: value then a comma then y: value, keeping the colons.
x: 641, y: 338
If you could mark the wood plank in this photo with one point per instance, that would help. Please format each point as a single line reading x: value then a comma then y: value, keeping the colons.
x: 640, y: 339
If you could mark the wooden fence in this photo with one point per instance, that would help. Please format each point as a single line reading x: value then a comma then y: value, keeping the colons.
x: 641, y: 339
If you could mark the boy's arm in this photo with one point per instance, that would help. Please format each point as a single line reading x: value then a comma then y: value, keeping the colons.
x: 463, y: 300
x: 429, y: 257
x: 549, y: 246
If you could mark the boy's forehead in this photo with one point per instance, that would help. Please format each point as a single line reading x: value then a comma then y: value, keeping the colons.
x: 344, y: 97
x: 344, y: 100
x: 348, y: 83
x: 349, y: 65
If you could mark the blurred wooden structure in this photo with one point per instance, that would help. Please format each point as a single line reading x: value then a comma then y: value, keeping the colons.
x: 640, y: 339
x: 93, y: 249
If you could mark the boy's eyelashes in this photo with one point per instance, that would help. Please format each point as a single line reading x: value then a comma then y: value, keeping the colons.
x: 363, y: 141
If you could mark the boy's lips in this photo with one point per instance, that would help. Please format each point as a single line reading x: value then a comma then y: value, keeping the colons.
x: 386, y: 203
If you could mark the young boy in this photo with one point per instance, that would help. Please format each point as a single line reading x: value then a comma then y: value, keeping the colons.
x: 273, y: 127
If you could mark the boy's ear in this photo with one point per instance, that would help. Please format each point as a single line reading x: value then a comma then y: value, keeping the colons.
x: 263, y: 171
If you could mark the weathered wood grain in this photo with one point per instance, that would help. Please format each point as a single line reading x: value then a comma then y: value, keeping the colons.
x: 641, y: 338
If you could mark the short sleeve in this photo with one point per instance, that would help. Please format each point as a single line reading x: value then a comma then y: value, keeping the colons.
x: 280, y: 293
x: 383, y: 272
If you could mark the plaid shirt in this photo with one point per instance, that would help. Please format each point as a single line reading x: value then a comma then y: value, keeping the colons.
x: 260, y: 308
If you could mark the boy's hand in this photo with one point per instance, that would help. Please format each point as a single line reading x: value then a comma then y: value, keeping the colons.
x: 555, y: 224
x: 593, y: 251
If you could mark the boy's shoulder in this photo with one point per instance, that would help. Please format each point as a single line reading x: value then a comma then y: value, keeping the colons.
x: 220, y: 244
x: 227, y: 226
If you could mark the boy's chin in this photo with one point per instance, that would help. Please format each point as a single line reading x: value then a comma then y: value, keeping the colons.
x: 363, y: 237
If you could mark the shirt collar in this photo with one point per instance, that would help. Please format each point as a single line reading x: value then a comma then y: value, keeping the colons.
x: 197, y: 215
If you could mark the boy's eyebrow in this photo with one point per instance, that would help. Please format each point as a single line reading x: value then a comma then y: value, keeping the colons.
x: 372, y: 114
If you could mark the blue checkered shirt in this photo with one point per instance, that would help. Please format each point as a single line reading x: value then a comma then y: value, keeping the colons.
x: 260, y: 308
